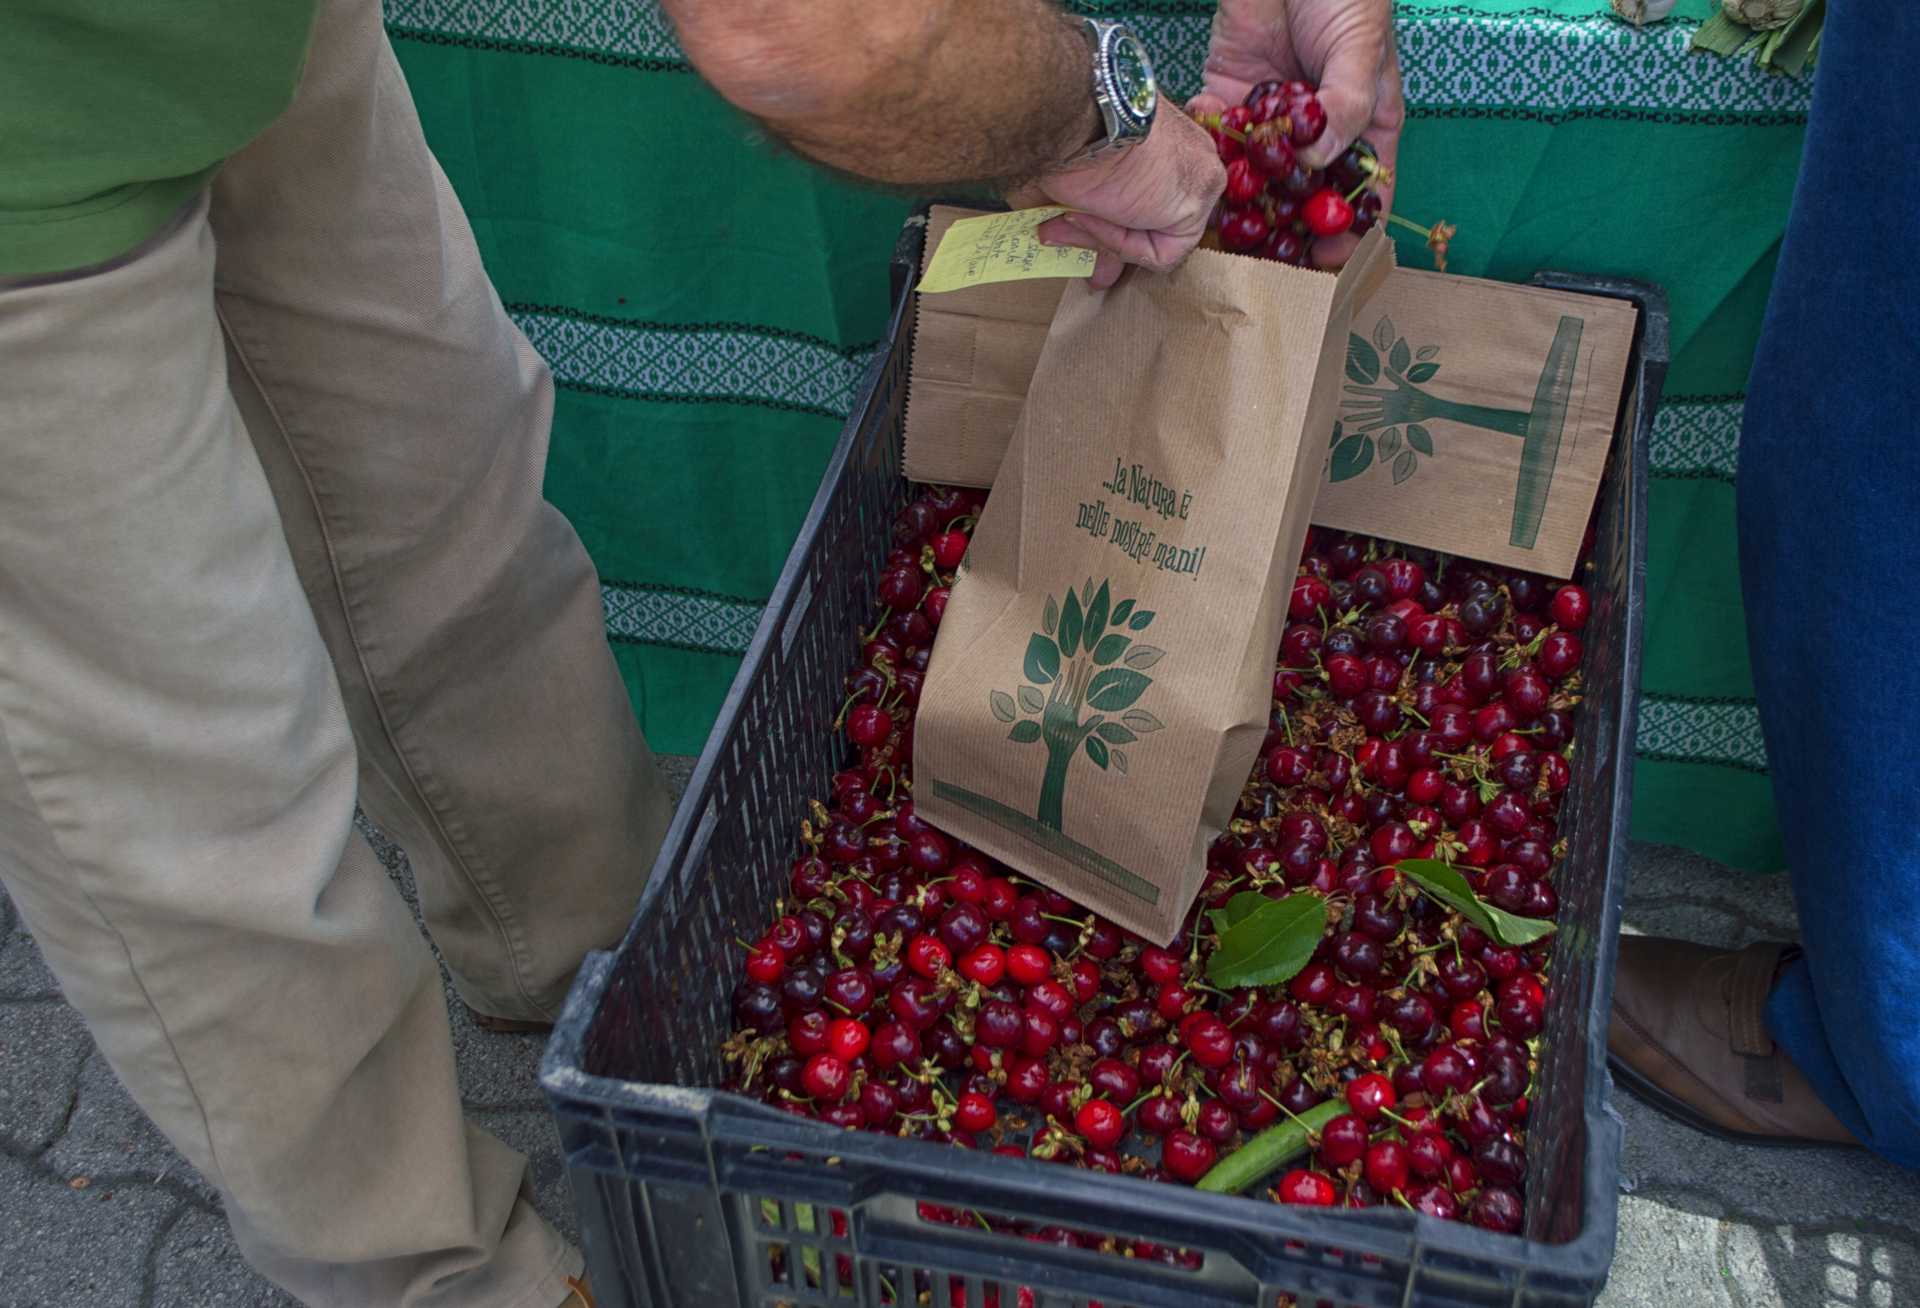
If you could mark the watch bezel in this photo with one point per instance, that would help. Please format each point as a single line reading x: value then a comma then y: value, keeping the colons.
x: 1112, y: 40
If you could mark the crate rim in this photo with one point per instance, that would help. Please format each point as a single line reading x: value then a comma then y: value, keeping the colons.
x: 1390, y: 1233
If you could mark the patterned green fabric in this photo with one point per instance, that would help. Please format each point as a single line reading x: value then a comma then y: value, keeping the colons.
x: 708, y: 303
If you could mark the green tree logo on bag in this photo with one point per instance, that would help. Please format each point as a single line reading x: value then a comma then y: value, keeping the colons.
x: 1082, y: 661
x: 1387, y: 412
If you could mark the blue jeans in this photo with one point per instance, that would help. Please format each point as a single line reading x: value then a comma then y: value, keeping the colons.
x: 1829, y: 513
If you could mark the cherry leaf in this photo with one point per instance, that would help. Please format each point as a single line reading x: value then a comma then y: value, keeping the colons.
x: 1440, y: 882
x: 1270, y: 944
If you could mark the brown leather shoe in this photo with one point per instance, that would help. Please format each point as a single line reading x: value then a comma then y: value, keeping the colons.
x: 1689, y: 1036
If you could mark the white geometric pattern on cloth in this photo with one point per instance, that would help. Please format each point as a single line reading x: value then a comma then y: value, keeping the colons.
x: 658, y: 616
x: 636, y: 28
x: 693, y: 362
x: 1593, y: 62
x: 1701, y: 733
x: 1696, y: 438
x: 1450, y: 60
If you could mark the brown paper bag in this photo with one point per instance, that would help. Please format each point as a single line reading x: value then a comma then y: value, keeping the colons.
x: 1489, y: 439
x: 1476, y: 418
x: 1105, y: 666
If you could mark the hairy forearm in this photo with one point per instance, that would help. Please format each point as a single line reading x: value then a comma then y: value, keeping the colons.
x: 905, y: 92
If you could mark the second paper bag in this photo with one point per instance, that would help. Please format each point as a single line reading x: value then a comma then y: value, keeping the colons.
x: 1105, y: 665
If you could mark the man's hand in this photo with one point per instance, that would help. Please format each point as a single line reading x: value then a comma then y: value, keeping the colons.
x: 934, y: 94
x: 1345, y: 47
x: 1148, y: 205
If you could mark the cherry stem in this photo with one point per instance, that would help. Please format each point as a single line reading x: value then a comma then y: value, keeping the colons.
x: 1313, y: 1132
x: 1389, y: 1114
x: 1397, y: 220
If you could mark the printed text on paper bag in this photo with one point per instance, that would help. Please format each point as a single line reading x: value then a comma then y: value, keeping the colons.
x: 1136, y: 487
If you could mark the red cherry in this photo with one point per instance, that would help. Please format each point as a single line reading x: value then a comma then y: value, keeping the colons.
x: 1310, y: 595
x: 949, y: 547
x: 766, y: 962
x: 1569, y: 607
x: 868, y: 725
x: 1244, y: 182
x: 1243, y: 228
x: 1029, y: 964
x: 1101, y: 1123
x: 1343, y: 1140
x: 1269, y: 150
x: 928, y: 956
x: 987, y: 965
x: 1387, y: 1166
x: 847, y: 1039
x: 1307, y: 118
x: 1306, y: 1188
x: 1188, y: 1156
x: 974, y: 1112
x: 1370, y: 1095
x: 826, y: 1078
x: 1327, y: 212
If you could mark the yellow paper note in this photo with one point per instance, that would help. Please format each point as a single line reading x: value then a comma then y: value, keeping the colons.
x: 1001, y: 247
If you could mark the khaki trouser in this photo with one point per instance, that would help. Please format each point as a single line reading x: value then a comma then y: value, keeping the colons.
x: 271, y: 535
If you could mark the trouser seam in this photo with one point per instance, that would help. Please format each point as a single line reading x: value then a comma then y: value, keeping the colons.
x: 126, y: 951
x: 496, y: 909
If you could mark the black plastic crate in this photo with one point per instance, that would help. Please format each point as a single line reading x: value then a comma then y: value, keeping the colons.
x: 694, y: 1198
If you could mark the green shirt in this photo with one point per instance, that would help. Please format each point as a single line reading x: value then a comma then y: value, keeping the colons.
x: 115, y: 112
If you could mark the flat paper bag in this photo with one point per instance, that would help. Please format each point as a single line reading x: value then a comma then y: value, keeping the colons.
x: 1475, y: 418
x: 1489, y: 442
x: 1105, y: 666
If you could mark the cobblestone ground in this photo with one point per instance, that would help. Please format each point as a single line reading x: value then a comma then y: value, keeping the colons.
x: 98, y: 1211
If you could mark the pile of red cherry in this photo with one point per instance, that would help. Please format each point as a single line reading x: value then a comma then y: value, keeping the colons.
x: 1422, y: 708
x: 1275, y: 206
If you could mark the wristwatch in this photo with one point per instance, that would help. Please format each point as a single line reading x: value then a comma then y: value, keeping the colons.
x: 1124, y: 88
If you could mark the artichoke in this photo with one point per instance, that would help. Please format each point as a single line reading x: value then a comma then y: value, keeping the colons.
x: 1762, y: 15
x: 1643, y: 11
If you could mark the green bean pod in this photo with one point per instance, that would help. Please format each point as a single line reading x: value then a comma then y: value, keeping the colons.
x: 1266, y: 1152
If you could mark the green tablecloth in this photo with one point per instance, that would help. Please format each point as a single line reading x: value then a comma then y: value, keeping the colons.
x: 707, y: 301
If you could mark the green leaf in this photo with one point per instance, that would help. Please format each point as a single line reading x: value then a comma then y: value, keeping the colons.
x: 1002, y: 705
x: 1401, y: 357
x: 1140, y: 619
x: 1389, y: 442
x: 1383, y: 335
x: 1236, y: 909
x: 1096, y: 626
x: 1072, y: 618
x: 1420, y: 438
x: 1109, y: 649
x: 1422, y: 372
x: 1363, y: 361
x: 1141, y: 721
x: 1404, y: 465
x: 1144, y: 656
x: 1427, y: 352
x: 1024, y: 733
x: 1115, y: 734
x: 1120, y: 613
x: 1116, y: 689
x: 1120, y: 761
x: 1031, y: 700
x: 1334, y: 439
x: 1043, y: 660
x: 1097, y: 752
x: 1442, y: 883
x: 1353, y: 457
x: 1270, y: 944
x: 1720, y: 35
x: 1051, y: 617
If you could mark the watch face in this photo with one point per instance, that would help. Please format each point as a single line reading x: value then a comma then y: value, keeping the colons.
x: 1133, y: 74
